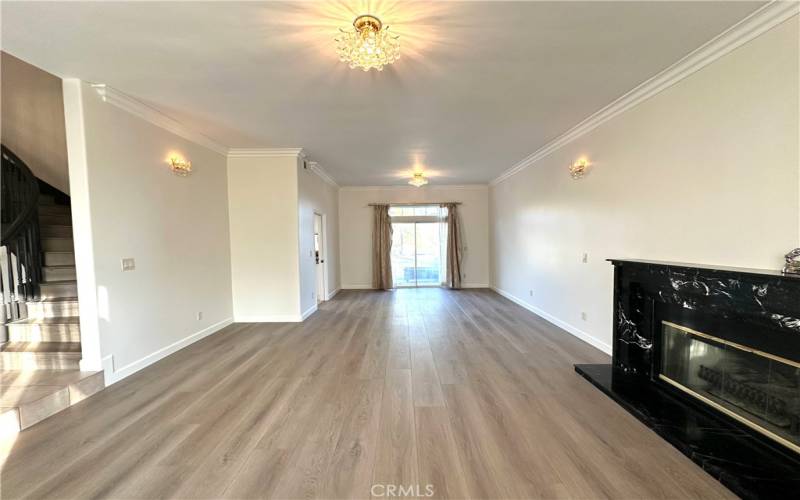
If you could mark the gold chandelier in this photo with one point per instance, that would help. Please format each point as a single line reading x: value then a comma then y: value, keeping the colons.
x: 418, y: 180
x: 369, y: 45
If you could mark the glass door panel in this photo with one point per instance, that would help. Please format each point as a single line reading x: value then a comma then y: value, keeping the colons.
x: 428, y: 253
x: 418, y: 253
x: 403, y: 254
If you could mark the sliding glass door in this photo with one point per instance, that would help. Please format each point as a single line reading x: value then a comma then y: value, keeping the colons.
x: 404, y: 254
x: 418, y: 246
x: 428, y: 254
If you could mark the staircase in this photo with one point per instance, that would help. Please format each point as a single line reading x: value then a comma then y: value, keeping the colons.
x: 49, y: 337
x: 39, y: 360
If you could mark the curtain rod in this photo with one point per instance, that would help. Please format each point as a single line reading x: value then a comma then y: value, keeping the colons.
x: 417, y: 204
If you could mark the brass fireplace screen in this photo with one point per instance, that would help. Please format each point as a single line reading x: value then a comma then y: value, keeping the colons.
x: 756, y: 388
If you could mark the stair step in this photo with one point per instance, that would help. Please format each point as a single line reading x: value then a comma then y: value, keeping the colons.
x: 59, y: 273
x: 54, y: 210
x: 65, y: 329
x: 46, y: 199
x: 58, y: 289
x: 30, y: 397
x: 57, y: 244
x: 56, y: 231
x: 40, y: 355
x: 63, y: 307
x: 55, y: 220
x: 59, y: 258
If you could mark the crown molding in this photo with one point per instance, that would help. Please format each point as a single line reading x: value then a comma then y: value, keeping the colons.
x: 317, y: 169
x: 754, y: 25
x: 127, y: 103
x: 427, y: 187
x: 266, y: 153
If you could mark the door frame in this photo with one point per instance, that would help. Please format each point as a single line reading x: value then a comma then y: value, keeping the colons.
x: 323, y: 256
x: 420, y: 219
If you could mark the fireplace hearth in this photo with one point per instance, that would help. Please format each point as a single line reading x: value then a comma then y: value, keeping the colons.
x: 709, y: 358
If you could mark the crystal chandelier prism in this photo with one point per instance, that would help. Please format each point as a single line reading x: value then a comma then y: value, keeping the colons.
x: 369, y: 45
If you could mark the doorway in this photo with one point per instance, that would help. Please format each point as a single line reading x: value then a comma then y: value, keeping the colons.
x: 319, y: 256
x: 418, y: 245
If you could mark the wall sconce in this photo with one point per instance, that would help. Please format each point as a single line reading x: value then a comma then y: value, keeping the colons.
x: 179, y: 166
x: 579, y: 168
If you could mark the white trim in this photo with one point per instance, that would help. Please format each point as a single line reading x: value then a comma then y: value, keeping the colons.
x: 577, y: 332
x: 154, y: 116
x: 268, y: 318
x: 112, y: 374
x: 357, y: 287
x: 266, y: 153
x: 412, y: 188
x: 475, y: 285
x: 80, y: 204
x: 757, y: 23
x: 311, y: 310
x: 325, y: 176
x: 332, y: 294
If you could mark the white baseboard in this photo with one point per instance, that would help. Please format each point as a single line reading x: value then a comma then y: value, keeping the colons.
x: 112, y: 374
x: 332, y: 294
x: 577, y: 332
x: 357, y: 287
x: 475, y: 285
x: 311, y: 310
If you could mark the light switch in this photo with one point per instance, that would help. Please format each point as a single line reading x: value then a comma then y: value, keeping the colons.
x: 128, y: 264
x: 585, y: 258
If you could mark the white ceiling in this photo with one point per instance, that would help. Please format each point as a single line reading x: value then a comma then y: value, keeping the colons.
x: 479, y: 86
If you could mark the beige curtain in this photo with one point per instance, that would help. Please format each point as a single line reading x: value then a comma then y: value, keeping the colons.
x: 453, y: 274
x: 381, y: 248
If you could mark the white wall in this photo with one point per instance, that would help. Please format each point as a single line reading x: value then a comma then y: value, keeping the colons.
x: 706, y: 171
x: 317, y: 196
x: 263, y: 201
x: 355, y: 224
x: 127, y: 203
x: 32, y: 123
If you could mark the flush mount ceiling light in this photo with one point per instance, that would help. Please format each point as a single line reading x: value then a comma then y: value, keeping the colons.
x: 369, y: 45
x: 418, y: 180
x: 578, y: 169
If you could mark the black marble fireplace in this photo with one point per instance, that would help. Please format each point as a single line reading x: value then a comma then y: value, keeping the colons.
x: 709, y: 358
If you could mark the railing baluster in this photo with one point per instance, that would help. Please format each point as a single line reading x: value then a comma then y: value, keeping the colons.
x: 21, y: 235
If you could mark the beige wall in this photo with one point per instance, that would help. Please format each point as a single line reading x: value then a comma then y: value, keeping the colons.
x: 263, y: 200
x: 32, y: 120
x: 127, y: 203
x: 707, y: 171
x: 355, y: 223
x: 317, y: 196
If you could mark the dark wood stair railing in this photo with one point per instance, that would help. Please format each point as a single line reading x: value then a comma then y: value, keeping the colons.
x: 22, y: 259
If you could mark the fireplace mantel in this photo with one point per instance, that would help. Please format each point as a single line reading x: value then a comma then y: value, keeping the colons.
x: 759, y: 309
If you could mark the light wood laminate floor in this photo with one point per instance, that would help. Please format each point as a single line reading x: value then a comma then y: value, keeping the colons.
x: 464, y: 391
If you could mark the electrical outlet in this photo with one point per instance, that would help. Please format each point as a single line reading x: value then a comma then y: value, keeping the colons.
x: 128, y: 264
x: 585, y: 258
x: 199, y: 315
x: 583, y: 316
